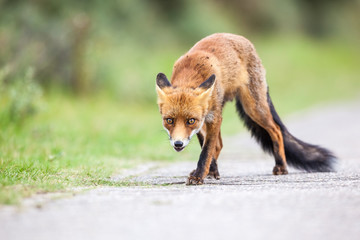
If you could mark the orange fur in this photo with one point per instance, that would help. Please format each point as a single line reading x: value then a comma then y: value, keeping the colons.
x: 239, y: 74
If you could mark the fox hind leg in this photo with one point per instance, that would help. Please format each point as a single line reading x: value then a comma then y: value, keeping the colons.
x: 279, y: 149
x: 258, y: 119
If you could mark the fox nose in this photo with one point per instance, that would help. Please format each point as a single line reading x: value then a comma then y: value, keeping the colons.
x: 178, y: 144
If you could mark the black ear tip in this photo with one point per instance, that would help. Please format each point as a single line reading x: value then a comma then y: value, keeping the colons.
x: 162, y: 81
x: 212, y: 78
x: 160, y: 76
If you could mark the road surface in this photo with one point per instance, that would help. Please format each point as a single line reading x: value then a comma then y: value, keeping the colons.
x: 246, y: 203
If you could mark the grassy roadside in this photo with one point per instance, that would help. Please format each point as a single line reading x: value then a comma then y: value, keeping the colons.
x: 83, y: 141
x: 78, y: 142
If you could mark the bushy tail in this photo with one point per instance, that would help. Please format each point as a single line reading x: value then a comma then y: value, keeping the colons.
x: 299, y: 154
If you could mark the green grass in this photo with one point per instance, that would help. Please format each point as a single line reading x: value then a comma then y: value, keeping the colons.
x: 74, y: 142
x: 78, y: 142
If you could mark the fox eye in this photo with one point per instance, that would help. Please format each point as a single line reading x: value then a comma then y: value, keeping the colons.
x: 191, y: 121
x: 169, y: 120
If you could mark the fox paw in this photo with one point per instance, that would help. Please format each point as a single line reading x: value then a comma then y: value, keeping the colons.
x: 193, y: 179
x: 280, y: 170
x: 214, y: 175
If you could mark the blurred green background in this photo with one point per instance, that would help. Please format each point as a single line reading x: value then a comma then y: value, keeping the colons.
x: 77, y: 99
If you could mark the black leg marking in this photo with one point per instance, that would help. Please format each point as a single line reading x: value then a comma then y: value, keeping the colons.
x: 200, y: 138
x: 196, y: 176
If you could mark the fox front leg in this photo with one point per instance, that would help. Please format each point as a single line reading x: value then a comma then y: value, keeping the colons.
x: 213, y: 171
x: 208, y: 152
x: 197, y: 176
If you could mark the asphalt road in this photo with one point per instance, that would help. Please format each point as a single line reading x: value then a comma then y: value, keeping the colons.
x: 246, y: 203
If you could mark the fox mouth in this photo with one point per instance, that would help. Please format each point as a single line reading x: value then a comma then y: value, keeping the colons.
x: 179, y: 149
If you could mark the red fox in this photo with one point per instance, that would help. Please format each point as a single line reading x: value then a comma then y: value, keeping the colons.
x: 220, y: 68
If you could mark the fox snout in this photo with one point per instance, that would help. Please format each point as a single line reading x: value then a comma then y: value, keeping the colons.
x: 179, y: 145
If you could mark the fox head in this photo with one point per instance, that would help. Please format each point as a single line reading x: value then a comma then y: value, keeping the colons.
x: 183, y: 110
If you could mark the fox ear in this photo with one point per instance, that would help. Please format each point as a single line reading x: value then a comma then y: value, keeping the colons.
x: 162, y: 81
x: 208, y: 83
x: 208, y: 86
